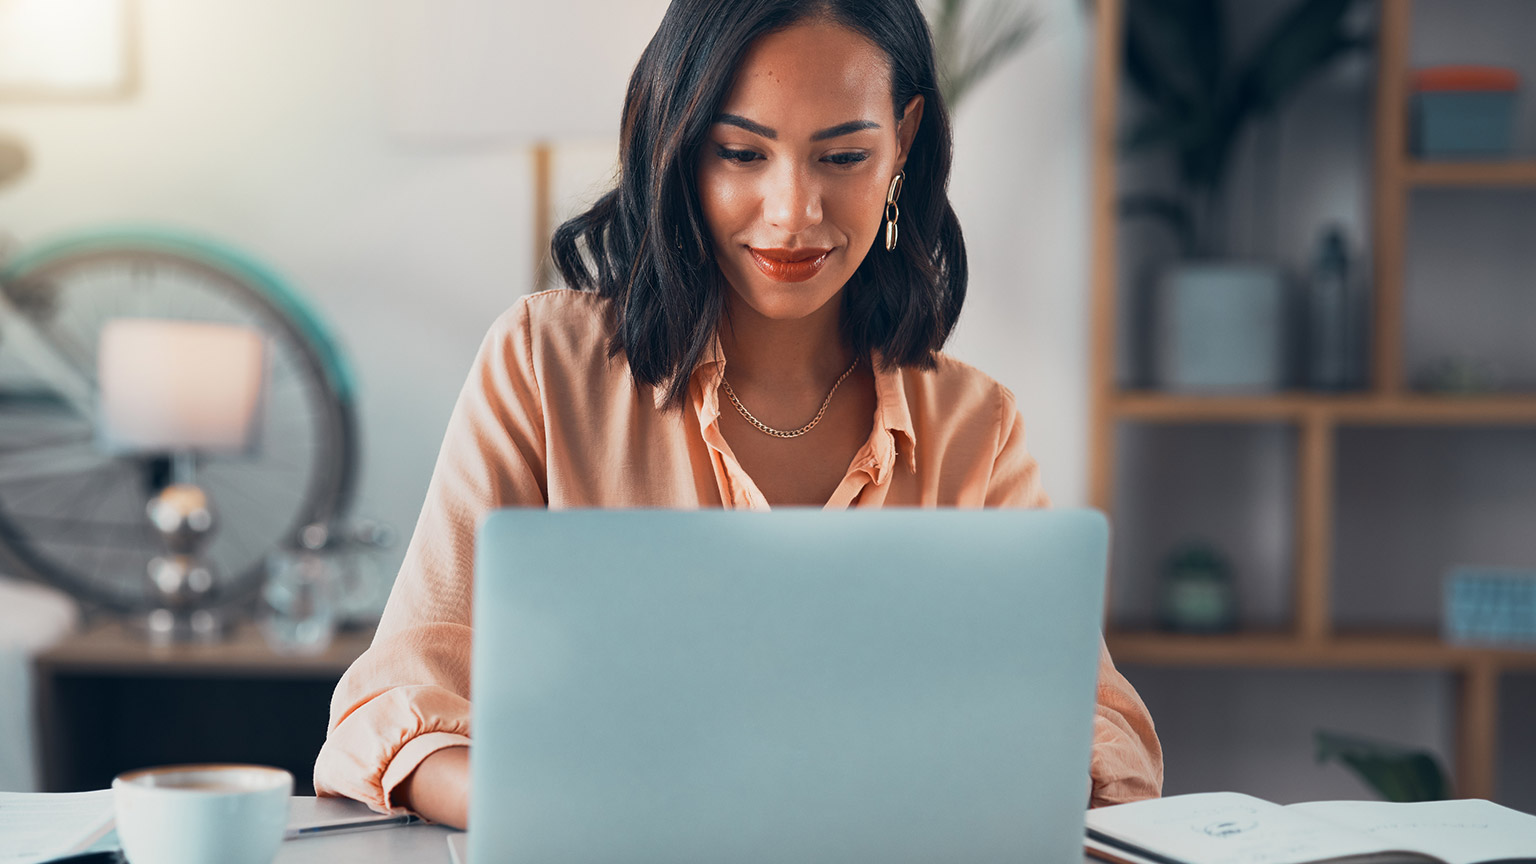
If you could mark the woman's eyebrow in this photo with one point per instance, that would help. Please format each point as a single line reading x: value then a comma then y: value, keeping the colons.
x: 842, y: 129
x: 837, y: 131
x: 743, y: 123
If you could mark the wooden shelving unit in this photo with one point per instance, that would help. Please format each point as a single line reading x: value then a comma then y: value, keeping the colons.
x: 1311, y: 642
x: 1335, y: 410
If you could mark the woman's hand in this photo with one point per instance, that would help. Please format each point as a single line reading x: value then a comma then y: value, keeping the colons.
x: 438, y: 790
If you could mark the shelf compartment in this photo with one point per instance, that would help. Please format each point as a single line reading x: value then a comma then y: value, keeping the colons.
x: 1410, y: 504
x: 1467, y: 293
x: 1231, y: 488
x: 1470, y: 174
x: 1517, y: 746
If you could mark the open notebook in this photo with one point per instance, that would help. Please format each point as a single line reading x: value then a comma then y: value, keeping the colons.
x: 41, y: 826
x: 1230, y: 828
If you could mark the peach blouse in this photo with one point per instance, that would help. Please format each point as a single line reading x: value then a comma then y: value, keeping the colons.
x: 548, y: 419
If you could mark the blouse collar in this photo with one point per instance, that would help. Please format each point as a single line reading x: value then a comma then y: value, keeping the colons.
x: 891, y: 436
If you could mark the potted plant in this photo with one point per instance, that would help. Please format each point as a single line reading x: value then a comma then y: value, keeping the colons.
x: 1219, y: 323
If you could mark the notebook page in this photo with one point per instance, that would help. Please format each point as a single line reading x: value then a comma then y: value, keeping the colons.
x: 38, y: 826
x: 1229, y: 828
x: 1460, y: 832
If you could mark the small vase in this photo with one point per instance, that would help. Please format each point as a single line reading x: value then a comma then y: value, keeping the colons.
x: 1198, y: 595
x: 1221, y: 328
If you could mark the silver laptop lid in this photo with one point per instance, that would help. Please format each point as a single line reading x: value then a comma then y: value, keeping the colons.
x: 863, y: 687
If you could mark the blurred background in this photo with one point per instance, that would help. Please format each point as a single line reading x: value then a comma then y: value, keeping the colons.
x: 1257, y: 270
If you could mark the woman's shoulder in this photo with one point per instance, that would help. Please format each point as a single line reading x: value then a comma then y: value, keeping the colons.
x: 957, y: 388
x: 560, y: 321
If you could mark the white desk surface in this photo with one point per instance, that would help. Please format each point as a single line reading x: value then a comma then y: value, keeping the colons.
x: 409, y: 844
x: 406, y: 844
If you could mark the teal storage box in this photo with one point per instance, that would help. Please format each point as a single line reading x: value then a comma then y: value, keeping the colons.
x: 1464, y: 111
x: 1488, y: 605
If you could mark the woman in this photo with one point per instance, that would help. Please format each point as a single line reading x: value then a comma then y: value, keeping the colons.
x: 779, y: 244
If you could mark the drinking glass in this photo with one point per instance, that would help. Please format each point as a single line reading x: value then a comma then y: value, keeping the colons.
x: 299, y: 600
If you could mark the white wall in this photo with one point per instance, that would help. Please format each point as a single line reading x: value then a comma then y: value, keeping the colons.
x: 1020, y: 187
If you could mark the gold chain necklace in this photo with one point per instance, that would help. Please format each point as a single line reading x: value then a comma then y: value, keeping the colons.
x: 780, y: 433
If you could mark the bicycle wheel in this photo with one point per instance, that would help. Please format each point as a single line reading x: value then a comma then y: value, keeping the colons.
x: 73, y: 515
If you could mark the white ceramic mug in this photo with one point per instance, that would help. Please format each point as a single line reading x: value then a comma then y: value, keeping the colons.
x: 195, y: 814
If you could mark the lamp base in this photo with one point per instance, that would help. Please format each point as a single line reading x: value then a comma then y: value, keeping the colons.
x: 165, y: 626
x: 185, y: 585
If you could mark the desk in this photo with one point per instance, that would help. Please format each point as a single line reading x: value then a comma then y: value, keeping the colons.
x: 411, y: 844
x: 108, y: 701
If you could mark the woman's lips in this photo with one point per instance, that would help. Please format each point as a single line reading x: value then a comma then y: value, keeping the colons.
x: 789, y: 265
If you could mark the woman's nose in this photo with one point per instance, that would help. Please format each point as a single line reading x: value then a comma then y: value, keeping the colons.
x: 792, y: 200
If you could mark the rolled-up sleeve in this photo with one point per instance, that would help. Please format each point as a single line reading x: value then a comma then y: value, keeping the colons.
x: 408, y: 695
x: 1127, y: 761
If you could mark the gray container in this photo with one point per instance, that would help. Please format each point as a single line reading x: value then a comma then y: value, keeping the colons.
x: 1221, y: 328
x: 1456, y: 123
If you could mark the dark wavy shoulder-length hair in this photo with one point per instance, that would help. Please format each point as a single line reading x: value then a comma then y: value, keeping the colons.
x: 645, y: 244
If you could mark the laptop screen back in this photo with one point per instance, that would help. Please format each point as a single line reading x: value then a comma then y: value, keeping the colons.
x: 795, y: 686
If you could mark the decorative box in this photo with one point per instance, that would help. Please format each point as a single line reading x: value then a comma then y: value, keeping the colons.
x: 1464, y: 111
x: 1490, y: 605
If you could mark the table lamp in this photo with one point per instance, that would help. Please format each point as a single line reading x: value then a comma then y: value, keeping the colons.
x: 183, y: 389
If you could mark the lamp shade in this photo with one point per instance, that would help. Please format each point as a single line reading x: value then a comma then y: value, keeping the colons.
x: 178, y: 385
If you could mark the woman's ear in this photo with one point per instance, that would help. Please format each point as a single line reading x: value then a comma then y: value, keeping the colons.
x: 906, y: 130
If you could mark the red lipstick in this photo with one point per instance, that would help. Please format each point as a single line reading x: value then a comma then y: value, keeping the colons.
x: 789, y: 265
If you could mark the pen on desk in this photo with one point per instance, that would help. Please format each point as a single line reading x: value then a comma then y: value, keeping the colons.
x: 357, y: 825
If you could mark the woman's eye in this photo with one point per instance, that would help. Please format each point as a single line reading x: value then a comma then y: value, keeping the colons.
x: 739, y: 156
x: 846, y: 158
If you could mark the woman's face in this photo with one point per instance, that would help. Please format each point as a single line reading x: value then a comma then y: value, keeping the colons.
x: 794, y: 172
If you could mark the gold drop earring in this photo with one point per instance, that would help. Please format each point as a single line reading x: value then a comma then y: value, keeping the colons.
x: 892, y: 212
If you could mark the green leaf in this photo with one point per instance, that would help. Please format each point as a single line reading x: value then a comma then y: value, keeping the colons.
x: 1395, y: 772
x: 1005, y: 35
x: 968, y: 53
x: 1171, y: 211
x: 946, y: 33
x: 1148, y: 133
x: 1303, y: 42
x: 1175, y: 50
x: 1143, y: 73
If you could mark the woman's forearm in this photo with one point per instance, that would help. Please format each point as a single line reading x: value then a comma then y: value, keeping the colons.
x: 438, y: 789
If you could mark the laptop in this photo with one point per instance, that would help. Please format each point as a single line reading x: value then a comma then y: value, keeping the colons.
x: 800, y: 686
